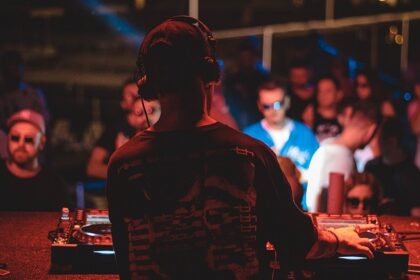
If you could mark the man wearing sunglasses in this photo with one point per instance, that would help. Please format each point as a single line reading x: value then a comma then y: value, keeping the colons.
x: 286, y: 137
x: 25, y: 184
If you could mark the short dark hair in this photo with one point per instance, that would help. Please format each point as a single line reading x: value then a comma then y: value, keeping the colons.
x: 130, y: 80
x: 331, y: 78
x: 298, y: 63
x: 365, y: 178
x: 369, y: 110
x: 272, y: 84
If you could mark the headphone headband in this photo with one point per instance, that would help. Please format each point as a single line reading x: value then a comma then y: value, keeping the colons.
x: 202, y: 28
x: 207, y: 67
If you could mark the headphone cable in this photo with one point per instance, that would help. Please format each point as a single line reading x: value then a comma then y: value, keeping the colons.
x: 145, y: 112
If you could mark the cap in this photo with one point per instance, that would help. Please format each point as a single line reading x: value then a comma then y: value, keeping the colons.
x: 29, y: 116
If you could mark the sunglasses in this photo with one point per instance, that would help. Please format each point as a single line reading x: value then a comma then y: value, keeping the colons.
x: 26, y: 139
x: 275, y: 105
x: 354, y: 202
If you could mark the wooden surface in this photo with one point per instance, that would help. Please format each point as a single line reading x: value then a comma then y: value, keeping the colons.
x: 24, y: 245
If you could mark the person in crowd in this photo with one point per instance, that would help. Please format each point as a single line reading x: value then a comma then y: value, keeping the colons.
x: 300, y: 89
x: 173, y: 189
x: 129, y: 95
x: 367, y: 90
x: 240, y: 87
x: 15, y: 94
x: 363, y: 194
x: 322, y: 116
x: 340, y: 71
x: 118, y: 134
x: 25, y: 184
x: 413, y: 114
x: 285, y: 136
x: 114, y: 137
x: 336, y: 154
x: 398, y: 175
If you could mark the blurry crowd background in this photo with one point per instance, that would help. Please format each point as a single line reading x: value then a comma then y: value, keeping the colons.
x: 77, y: 59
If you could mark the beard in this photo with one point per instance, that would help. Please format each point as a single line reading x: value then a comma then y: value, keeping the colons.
x: 21, y: 157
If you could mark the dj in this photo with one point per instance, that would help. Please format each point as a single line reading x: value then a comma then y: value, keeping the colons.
x: 190, y: 198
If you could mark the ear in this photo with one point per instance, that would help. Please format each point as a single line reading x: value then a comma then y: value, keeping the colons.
x: 122, y: 104
x: 371, y: 132
x: 42, y: 143
x: 259, y: 106
x: 286, y: 102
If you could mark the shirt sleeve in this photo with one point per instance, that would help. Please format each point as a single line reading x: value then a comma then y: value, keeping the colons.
x: 280, y: 220
x: 315, y: 177
x: 116, y: 216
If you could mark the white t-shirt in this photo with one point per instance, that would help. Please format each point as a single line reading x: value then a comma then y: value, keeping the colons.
x: 328, y: 158
x: 362, y: 156
x: 279, y: 136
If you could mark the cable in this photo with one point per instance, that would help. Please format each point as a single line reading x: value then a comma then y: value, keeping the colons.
x: 145, y: 112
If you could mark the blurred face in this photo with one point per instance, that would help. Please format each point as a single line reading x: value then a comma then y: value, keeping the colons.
x: 24, y: 144
x: 299, y: 76
x: 359, y: 200
x: 362, y: 85
x: 247, y: 59
x: 273, y: 105
x: 129, y: 95
x: 327, y: 93
x: 137, y: 117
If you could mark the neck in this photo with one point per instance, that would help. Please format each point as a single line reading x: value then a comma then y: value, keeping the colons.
x: 277, y: 125
x: 346, y: 140
x: 327, y: 112
x: 24, y: 171
x: 182, y: 112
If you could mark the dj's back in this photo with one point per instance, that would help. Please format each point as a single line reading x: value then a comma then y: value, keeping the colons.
x: 184, y: 205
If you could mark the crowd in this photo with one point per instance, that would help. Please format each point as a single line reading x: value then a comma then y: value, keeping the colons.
x: 190, y: 197
x: 314, y: 127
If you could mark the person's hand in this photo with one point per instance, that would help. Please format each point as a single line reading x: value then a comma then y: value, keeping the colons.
x: 351, y: 244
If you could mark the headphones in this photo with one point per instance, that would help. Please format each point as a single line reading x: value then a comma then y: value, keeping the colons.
x: 208, y: 66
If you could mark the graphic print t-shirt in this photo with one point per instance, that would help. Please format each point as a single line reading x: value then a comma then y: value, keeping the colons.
x: 201, y: 204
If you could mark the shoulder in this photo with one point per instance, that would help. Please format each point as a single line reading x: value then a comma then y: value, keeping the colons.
x: 48, y: 172
x: 253, y: 128
x: 373, y: 165
x: 301, y: 127
x: 303, y: 134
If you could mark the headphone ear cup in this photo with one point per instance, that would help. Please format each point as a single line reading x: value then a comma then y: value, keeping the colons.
x: 144, y: 89
x: 211, y: 70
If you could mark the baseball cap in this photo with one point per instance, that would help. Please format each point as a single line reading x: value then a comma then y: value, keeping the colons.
x: 29, y: 116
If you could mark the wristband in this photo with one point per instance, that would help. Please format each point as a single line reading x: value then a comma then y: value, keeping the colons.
x: 337, y: 241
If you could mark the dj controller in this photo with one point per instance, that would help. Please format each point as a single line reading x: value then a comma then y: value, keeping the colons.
x: 82, y: 243
x: 390, y: 256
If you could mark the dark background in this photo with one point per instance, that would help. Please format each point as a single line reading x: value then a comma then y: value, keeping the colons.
x: 79, y: 52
